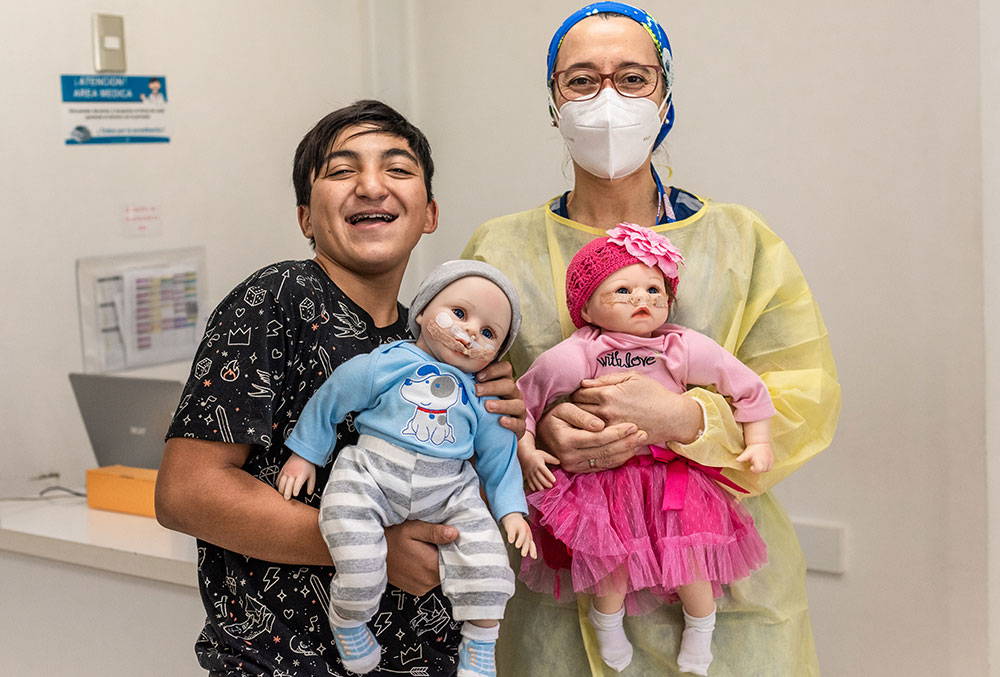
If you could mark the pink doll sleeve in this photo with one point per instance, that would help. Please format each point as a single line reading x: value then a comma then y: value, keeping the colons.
x: 556, y: 372
x: 709, y: 363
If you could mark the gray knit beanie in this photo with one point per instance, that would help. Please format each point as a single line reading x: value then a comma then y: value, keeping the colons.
x: 448, y: 272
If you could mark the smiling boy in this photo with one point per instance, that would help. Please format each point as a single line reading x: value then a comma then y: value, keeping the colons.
x: 362, y: 179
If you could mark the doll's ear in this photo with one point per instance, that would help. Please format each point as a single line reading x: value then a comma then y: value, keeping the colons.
x: 584, y: 312
x: 427, y: 370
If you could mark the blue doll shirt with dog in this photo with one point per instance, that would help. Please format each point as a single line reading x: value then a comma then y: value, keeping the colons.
x: 405, y: 397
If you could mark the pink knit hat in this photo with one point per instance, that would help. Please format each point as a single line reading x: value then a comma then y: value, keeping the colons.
x: 624, y: 245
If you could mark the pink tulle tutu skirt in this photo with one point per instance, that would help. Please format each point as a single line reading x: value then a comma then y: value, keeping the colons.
x: 599, y: 530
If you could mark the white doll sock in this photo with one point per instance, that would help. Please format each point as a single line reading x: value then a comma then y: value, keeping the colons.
x: 616, y: 650
x: 696, y: 644
x: 476, y: 650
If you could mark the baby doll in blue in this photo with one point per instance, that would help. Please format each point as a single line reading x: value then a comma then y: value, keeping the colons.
x: 420, y: 422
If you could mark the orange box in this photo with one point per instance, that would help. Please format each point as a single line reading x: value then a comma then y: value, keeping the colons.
x: 122, y: 488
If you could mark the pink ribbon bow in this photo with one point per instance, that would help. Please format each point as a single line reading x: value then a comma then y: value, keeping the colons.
x: 677, y: 476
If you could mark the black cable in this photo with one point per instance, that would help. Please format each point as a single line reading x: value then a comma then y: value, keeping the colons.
x: 47, y: 490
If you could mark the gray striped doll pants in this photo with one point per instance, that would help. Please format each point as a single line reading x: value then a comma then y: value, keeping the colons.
x: 377, y: 484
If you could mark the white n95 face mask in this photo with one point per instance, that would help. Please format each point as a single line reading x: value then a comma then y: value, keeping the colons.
x: 610, y: 135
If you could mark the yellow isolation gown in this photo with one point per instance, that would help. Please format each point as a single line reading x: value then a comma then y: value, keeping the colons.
x: 742, y: 287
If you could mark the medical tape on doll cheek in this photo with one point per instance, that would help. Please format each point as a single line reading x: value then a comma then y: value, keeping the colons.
x: 447, y: 336
x: 460, y: 334
x: 445, y: 321
x: 651, y: 300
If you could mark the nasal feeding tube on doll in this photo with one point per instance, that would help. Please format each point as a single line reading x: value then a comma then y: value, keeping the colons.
x: 444, y: 330
x: 652, y: 300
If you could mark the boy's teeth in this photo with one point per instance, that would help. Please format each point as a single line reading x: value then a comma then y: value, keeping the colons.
x: 366, y: 217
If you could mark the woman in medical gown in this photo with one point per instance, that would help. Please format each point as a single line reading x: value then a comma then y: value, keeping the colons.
x: 741, y: 286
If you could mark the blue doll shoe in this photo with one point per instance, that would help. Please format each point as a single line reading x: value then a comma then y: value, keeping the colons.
x: 359, y: 652
x: 476, y: 659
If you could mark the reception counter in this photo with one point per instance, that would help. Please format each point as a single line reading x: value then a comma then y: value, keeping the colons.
x: 88, y: 592
x: 64, y: 529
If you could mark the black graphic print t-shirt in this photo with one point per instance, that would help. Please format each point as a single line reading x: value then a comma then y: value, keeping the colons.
x: 267, y: 348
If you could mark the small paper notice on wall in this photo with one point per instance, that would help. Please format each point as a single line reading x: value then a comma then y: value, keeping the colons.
x: 110, y: 108
x: 139, y: 310
x: 141, y: 220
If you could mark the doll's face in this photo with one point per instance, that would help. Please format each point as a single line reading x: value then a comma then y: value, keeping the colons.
x: 465, y: 324
x: 632, y: 300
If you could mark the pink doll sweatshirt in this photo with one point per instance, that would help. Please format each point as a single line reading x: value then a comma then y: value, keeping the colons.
x: 674, y: 356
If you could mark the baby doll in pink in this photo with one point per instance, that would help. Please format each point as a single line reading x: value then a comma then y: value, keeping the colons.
x: 660, y: 527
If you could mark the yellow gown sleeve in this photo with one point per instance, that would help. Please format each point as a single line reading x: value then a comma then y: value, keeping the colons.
x: 782, y: 337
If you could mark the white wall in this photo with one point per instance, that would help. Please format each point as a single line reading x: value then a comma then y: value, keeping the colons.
x: 853, y: 128
x: 245, y: 81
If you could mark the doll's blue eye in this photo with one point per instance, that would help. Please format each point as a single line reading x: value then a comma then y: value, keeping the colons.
x: 621, y: 290
x: 652, y: 290
x: 459, y: 313
x: 487, y: 333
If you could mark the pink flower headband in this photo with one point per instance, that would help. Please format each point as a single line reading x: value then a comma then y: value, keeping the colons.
x: 653, y: 249
x: 624, y: 245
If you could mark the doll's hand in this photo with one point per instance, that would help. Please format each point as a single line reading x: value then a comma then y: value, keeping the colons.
x: 296, y: 472
x: 534, y: 464
x: 497, y: 379
x: 519, y: 533
x: 759, y: 457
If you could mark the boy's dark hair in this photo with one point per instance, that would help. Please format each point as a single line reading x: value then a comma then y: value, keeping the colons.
x: 310, y: 156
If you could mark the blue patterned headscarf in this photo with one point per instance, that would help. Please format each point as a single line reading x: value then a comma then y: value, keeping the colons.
x: 641, y: 17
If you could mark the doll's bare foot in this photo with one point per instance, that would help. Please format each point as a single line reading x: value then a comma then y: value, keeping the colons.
x: 616, y: 650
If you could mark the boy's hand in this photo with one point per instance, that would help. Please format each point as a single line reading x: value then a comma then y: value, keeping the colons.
x: 535, y: 464
x: 759, y: 457
x: 296, y: 472
x: 412, y: 557
x: 519, y: 533
x: 497, y: 379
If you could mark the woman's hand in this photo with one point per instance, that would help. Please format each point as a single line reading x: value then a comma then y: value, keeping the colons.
x: 583, y: 443
x: 412, y: 557
x: 611, y: 418
x: 497, y: 379
x: 665, y: 416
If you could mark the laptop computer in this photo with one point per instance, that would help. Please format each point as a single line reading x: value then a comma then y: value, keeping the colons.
x: 126, y: 418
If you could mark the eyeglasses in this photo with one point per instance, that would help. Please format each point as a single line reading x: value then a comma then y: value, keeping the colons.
x: 580, y: 84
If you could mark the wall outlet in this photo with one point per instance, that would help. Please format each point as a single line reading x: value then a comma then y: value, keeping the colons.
x: 824, y: 545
